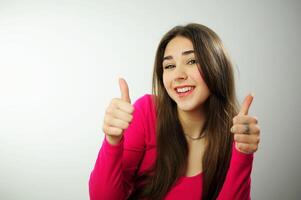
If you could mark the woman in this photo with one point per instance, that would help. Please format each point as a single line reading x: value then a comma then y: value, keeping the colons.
x: 188, y: 140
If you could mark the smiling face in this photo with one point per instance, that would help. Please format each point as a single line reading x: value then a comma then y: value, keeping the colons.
x: 181, y: 77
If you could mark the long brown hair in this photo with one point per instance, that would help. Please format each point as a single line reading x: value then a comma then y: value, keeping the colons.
x: 221, y: 107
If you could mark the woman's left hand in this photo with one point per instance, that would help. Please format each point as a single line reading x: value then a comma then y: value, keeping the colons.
x: 245, y: 128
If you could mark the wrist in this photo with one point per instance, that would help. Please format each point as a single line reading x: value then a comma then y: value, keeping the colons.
x: 113, y: 140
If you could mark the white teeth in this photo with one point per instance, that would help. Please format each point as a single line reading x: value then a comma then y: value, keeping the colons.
x: 185, y: 89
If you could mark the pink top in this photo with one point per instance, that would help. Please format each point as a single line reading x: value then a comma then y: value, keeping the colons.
x: 112, y: 176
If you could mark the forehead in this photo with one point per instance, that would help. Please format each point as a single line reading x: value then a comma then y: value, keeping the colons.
x: 178, y: 45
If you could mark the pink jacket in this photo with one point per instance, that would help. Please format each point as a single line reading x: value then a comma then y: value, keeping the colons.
x: 112, y: 176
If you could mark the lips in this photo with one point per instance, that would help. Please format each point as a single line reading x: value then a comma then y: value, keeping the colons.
x: 184, y: 90
x: 183, y: 87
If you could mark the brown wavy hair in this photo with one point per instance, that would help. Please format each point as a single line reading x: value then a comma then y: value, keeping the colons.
x: 221, y: 106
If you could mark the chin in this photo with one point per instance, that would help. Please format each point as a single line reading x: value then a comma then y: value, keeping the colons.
x: 186, y: 107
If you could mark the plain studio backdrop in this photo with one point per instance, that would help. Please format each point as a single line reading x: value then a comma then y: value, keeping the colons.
x: 59, y: 68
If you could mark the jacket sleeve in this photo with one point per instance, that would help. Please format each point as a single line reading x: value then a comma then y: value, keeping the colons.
x: 237, y: 184
x: 112, y: 175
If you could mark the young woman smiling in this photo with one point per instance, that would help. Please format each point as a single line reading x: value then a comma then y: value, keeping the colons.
x: 189, y: 139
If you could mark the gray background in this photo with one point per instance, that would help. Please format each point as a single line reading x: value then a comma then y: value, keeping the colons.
x: 59, y: 68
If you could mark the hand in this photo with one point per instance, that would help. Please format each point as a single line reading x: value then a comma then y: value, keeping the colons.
x: 118, y: 115
x: 245, y: 128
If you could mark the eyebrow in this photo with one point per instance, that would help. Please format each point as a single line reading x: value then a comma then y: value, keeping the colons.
x: 183, y: 53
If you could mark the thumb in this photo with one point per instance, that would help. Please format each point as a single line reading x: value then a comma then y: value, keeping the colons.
x: 124, y: 89
x: 246, y: 104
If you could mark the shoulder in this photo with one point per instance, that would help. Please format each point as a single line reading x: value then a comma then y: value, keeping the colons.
x: 144, y: 100
x: 141, y: 129
x: 145, y: 104
x: 145, y: 114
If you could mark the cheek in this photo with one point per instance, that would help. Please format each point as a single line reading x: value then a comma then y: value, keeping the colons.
x: 199, y: 79
x: 199, y: 74
x: 166, y: 81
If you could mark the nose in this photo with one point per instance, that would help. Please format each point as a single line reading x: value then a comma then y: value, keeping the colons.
x: 180, y: 73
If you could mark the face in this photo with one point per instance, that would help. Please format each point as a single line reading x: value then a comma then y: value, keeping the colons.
x: 181, y: 77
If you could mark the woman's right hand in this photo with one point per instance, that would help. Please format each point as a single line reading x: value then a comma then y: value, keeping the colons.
x: 118, y: 115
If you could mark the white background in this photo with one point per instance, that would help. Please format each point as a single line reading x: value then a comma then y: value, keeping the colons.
x: 59, y: 68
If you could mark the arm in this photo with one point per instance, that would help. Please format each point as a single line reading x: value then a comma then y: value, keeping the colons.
x: 246, y: 136
x: 105, y: 180
x: 237, y: 184
x: 112, y: 176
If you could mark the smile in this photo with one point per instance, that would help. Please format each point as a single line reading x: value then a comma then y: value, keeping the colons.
x: 184, y: 91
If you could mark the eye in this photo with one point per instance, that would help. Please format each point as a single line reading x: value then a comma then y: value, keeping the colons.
x: 192, y: 61
x: 168, y: 66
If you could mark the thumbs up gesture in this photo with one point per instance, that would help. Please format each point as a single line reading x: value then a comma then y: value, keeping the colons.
x: 245, y: 129
x: 118, y: 115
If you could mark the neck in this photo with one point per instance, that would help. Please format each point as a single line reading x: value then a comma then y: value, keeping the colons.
x: 192, y: 121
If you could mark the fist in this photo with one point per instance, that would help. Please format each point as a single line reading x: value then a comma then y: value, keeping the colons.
x: 118, y: 115
x: 245, y: 129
